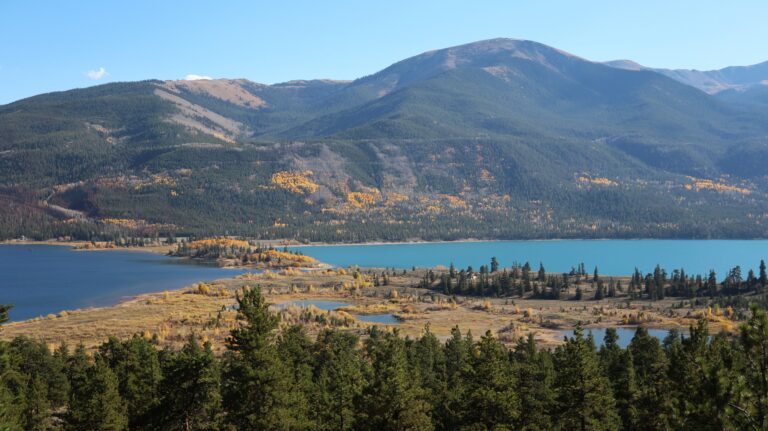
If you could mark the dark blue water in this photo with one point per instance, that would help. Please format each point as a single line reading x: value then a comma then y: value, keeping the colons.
x: 625, y: 335
x: 613, y: 257
x: 41, y: 279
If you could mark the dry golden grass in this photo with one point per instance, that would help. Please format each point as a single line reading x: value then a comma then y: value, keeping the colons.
x: 206, y: 309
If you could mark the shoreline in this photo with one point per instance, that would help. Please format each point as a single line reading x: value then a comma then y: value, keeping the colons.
x: 295, y: 244
x: 475, y: 240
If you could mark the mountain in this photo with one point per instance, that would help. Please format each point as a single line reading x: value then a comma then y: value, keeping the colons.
x: 495, y: 139
x: 734, y: 78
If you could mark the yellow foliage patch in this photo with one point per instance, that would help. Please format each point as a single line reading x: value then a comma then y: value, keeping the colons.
x: 225, y: 242
x: 363, y: 199
x: 295, y: 182
x: 699, y: 184
x: 283, y: 255
x: 600, y: 181
x: 453, y: 201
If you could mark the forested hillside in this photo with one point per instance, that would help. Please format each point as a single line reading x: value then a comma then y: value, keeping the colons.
x: 495, y: 139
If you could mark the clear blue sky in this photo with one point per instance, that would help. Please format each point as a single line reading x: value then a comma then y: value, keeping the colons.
x: 53, y: 45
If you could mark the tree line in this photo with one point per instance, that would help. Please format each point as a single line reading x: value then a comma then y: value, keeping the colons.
x: 269, y: 379
x: 523, y: 281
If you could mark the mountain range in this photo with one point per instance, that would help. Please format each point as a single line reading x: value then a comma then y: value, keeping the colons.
x: 494, y: 139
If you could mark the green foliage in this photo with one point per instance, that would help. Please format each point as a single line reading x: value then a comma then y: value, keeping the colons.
x: 584, y: 398
x: 267, y: 380
x: 522, y: 127
x: 258, y: 387
x: 189, y: 393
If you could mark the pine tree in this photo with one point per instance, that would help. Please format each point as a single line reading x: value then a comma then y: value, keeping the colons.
x: 653, y: 404
x: 618, y: 366
x: 339, y: 380
x: 458, y: 367
x: 428, y: 358
x: 256, y: 387
x: 392, y: 399
x: 584, y: 396
x: 95, y: 402
x: 751, y: 403
x: 599, y: 291
x: 535, y: 376
x: 295, y: 348
x: 492, y: 398
x: 136, y: 364
x: 37, y: 412
x: 189, y: 394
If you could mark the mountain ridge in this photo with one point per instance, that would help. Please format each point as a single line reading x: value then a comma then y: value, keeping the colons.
x: 501, y: 138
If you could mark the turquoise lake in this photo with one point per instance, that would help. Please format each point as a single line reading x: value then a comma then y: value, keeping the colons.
x: 40, y: 279
x: 612, y: 257
x: 43, y: 279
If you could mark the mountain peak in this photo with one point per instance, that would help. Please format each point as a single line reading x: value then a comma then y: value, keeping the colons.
x: 498, y: 49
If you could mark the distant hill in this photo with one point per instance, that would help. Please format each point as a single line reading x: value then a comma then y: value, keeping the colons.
x: 494, y: 139
x: 711, y: 81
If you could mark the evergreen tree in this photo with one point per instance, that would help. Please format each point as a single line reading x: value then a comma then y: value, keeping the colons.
x: 751, y: 403
x: 37, y: 412
x: 584, y: 398
x: 189, y: 393
x: 458, y: 367
x: 95, y: 402
x: 492, y: 399
x: 618, y: 366
x: 257, y: 387
x: 599, y: 291
x: 392, y: 399
x: 136, y: 364
x: 428, y: 358
x: 535, y: 376
x: 295, y: 348
x: 338, y: 372
x: 653, y: 404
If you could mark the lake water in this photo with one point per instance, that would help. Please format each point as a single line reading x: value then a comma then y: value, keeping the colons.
x: 384, y: 319
x: 625, y: 335
x: 43, y: 279
x: 322, y: 305
x: 40, y: 279
x: 612, y: 257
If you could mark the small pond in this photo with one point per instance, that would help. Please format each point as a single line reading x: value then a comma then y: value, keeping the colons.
x: 384, y: 319
x: 323, y: 305
x: 625, y: 334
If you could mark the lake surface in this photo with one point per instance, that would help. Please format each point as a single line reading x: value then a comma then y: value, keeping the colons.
x: 384, y: 318
x: 612, y: 257
x: 625, y: 335
x: 43, y: 279
x: 322, y: 305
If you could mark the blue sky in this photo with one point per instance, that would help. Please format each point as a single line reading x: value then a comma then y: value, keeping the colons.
x: 56, y: 45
